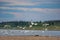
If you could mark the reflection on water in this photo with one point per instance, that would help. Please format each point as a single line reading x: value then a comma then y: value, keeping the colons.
x: 28, y: 32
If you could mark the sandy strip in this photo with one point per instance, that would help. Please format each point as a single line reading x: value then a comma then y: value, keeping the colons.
x: 28, y: 38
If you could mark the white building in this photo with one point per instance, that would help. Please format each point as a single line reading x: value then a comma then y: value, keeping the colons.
x: 32, y: 23
x: 23, y: 27
x: 45, y: 24
x: 7, y: 26
x: 30, y: 26
x: 35, y: 24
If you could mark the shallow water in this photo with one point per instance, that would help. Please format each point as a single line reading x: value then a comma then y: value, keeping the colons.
x: 28, y: 32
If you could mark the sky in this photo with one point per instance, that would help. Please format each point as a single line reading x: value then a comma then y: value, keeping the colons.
x: 29, y: 10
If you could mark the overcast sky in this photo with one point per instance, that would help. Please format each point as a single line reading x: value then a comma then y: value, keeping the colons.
x: 27, y: 10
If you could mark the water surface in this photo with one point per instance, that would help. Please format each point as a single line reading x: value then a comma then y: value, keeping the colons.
x: 28, y: 32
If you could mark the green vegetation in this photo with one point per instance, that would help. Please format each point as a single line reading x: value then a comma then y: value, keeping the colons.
x: 25, y: 25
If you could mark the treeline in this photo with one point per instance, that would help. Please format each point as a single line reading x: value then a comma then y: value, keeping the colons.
x: 15, y: 23
x: 53, y: 22
x: 27, y: 23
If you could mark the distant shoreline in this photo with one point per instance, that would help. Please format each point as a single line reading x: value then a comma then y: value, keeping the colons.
x: 29, y: 29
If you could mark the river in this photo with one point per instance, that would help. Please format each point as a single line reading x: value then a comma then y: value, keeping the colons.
x: 4, y: 32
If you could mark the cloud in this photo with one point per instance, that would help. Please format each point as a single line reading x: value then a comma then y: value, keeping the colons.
x: 33, y: 0
x: 43, y: 10
x: 21, y: 2
x: 30, y: 2
x: 16, y: 15
x: 32, y: 9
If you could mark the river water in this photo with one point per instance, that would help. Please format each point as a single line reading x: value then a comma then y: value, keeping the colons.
x: 28, y: 32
